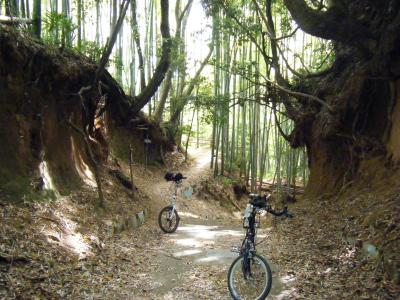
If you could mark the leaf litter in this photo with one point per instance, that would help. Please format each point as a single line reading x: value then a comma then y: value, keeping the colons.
x: 319, y: 254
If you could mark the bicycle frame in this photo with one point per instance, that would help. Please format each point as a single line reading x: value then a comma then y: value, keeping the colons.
x: 255, y: 271
x: 173, y: 198
x: 250, y: 230
x: 248, y: 248
x: 169, y: 213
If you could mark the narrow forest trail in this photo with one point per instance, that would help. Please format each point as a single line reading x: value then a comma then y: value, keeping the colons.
x: 153, y: 184
x: 191, y: 263
x: 194, y: 263
x: 308, y: 258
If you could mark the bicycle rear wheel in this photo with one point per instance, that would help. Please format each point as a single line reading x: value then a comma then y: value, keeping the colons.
x: 251, y: 280
x: 168, y: 219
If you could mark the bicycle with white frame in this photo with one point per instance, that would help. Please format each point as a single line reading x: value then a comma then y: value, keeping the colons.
x: 168, y: 219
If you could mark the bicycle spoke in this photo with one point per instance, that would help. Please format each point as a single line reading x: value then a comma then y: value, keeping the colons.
x: 168, y: 220
x: 249, y: 281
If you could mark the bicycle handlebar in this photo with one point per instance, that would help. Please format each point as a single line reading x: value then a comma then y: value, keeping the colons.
x: 261, y: 202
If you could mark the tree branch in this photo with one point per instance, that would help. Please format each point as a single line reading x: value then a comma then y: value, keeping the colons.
x: 179, y: 16
x: 288, y: 65
x: 188, y: 5
x: 110, y: 44
x: 145, y: 95
x: 248, y: 33
x: 299, y: 94
x: 288, y: 35
x: 164, y: 96
x: 332, y: 24
x: 285, y: 136
x: 136, y: 37
x: 188, y: 91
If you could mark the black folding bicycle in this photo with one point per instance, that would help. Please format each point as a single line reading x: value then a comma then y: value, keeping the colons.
x: 250, y: 276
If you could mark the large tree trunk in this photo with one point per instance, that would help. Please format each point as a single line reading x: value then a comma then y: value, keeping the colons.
x: 362, y: 90
x: 151, y: 88
x: 180, y: 29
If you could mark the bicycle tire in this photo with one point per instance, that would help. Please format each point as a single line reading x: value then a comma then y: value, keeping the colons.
x: 237, y: 264
x: 170, y: 227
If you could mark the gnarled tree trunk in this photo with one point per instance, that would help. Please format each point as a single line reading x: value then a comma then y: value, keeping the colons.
x: 362, y: 90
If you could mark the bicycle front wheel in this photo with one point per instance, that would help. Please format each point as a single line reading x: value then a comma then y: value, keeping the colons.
x: 168, y: 219
x: 251, y: 279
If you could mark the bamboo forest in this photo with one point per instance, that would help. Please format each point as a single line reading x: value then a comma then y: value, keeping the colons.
x: 199, y: 149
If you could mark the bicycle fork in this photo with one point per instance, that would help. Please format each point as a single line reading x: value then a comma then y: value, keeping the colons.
x: 247, y: 258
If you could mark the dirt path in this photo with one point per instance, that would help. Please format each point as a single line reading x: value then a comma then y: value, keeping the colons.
x: 159, y: 191
x: 204, y: 252
x: 189, y: 264
x: 192, y: 263
x: 139, y: 264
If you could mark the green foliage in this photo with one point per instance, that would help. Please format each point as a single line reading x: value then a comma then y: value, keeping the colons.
x: 323, y: 55
x: 286, y: 24
x: 118, y: 63
x: 228, y: 181
x: 93, y: 51
x: 185, y: 129
x: 15, y: 189
x: 18, y: 189
x: 178, y: 58
x: 57, y: 29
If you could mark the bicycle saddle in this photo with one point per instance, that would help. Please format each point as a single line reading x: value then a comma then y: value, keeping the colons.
x: 174, y: 177
x: 178, y: 177
x: 169, y: 176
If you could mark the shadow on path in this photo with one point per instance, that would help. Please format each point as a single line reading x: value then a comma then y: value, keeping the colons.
x: 200, y: 245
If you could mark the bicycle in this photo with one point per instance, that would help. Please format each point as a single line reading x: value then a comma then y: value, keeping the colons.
x: 168, y: 218
x: 250, y: 276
